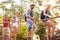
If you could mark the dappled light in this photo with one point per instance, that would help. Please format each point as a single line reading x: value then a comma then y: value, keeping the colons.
x: 19, y: 8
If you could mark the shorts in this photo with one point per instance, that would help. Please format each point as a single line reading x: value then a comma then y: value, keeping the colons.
x: 45, y: 20
x: 30, y: 25
x: 15, y: 25
x: 6, y: 30
x: 51, y: 23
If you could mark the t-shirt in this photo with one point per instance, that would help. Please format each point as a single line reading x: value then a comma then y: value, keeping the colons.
x: 48, y: 13
x: 30, y: 13
x: 6, y: 23
x: 15, y: 19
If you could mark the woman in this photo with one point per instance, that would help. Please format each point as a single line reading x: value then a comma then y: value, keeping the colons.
x: 49, y: 23
x: 5, y: 28
x: 15, y: 21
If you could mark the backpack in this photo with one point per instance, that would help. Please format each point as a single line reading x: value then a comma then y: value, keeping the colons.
x: 25, y: 15
x: 42, y: 15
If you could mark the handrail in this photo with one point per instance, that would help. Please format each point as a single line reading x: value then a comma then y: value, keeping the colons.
x: 48, y: 18
x: 42, y: 19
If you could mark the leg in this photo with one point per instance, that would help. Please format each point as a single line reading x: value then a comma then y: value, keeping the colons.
x: 3, y: 32
x: 48, y: 33
x: 30, y: 28
x: 8, y: 33
x: 51, y: 24
x: 12, y: 32
x: 15, y: 33
x: 29, y: 33
x: 48, y: 30
x: 53, y: 30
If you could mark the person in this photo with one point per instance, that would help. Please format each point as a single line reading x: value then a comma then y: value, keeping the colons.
x: 15, y: 22
x: 30, y: 18
x: 6, y: 27
x: 49, y: 24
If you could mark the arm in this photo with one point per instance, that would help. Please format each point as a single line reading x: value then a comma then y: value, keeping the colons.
x: 13, y: 20
x: 45, y: 13
x: 19, y: 22
x: 9, y: 23
x: 28, y: 14
x: 3, y: 23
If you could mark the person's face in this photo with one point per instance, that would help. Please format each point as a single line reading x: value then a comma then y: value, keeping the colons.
x: 17, y: 14
x: 32, y: 7
x: 48, y: 7
x: 6, y: 17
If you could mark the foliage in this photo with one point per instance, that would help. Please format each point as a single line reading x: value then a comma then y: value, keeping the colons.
x: 1, y: 18
x: 22, y: 32
x: 39, y: 2
x: 36, y: 15
x: 20, y: 8
x: 41, y: 30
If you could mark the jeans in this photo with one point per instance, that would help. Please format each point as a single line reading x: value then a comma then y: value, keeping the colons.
x: 30, y: 24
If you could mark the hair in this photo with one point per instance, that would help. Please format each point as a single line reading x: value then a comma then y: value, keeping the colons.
x: 32, y: 5
x: 48, y: 5
x: 17, y: 12
x: 5, y: 15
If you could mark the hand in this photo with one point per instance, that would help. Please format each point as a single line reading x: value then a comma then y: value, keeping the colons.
x: 50, y: 16
x: 32, y: 18
x: 29, y: 16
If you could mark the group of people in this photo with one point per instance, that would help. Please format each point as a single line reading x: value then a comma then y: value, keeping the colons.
x: 50, y: 24
x: 7, y: 26
x: 29, y: 19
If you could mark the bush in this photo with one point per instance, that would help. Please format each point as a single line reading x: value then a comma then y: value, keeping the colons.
x: 41, y: 30
x: 22, y: 31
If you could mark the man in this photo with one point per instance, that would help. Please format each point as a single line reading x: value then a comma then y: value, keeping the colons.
x: 30, y: 21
